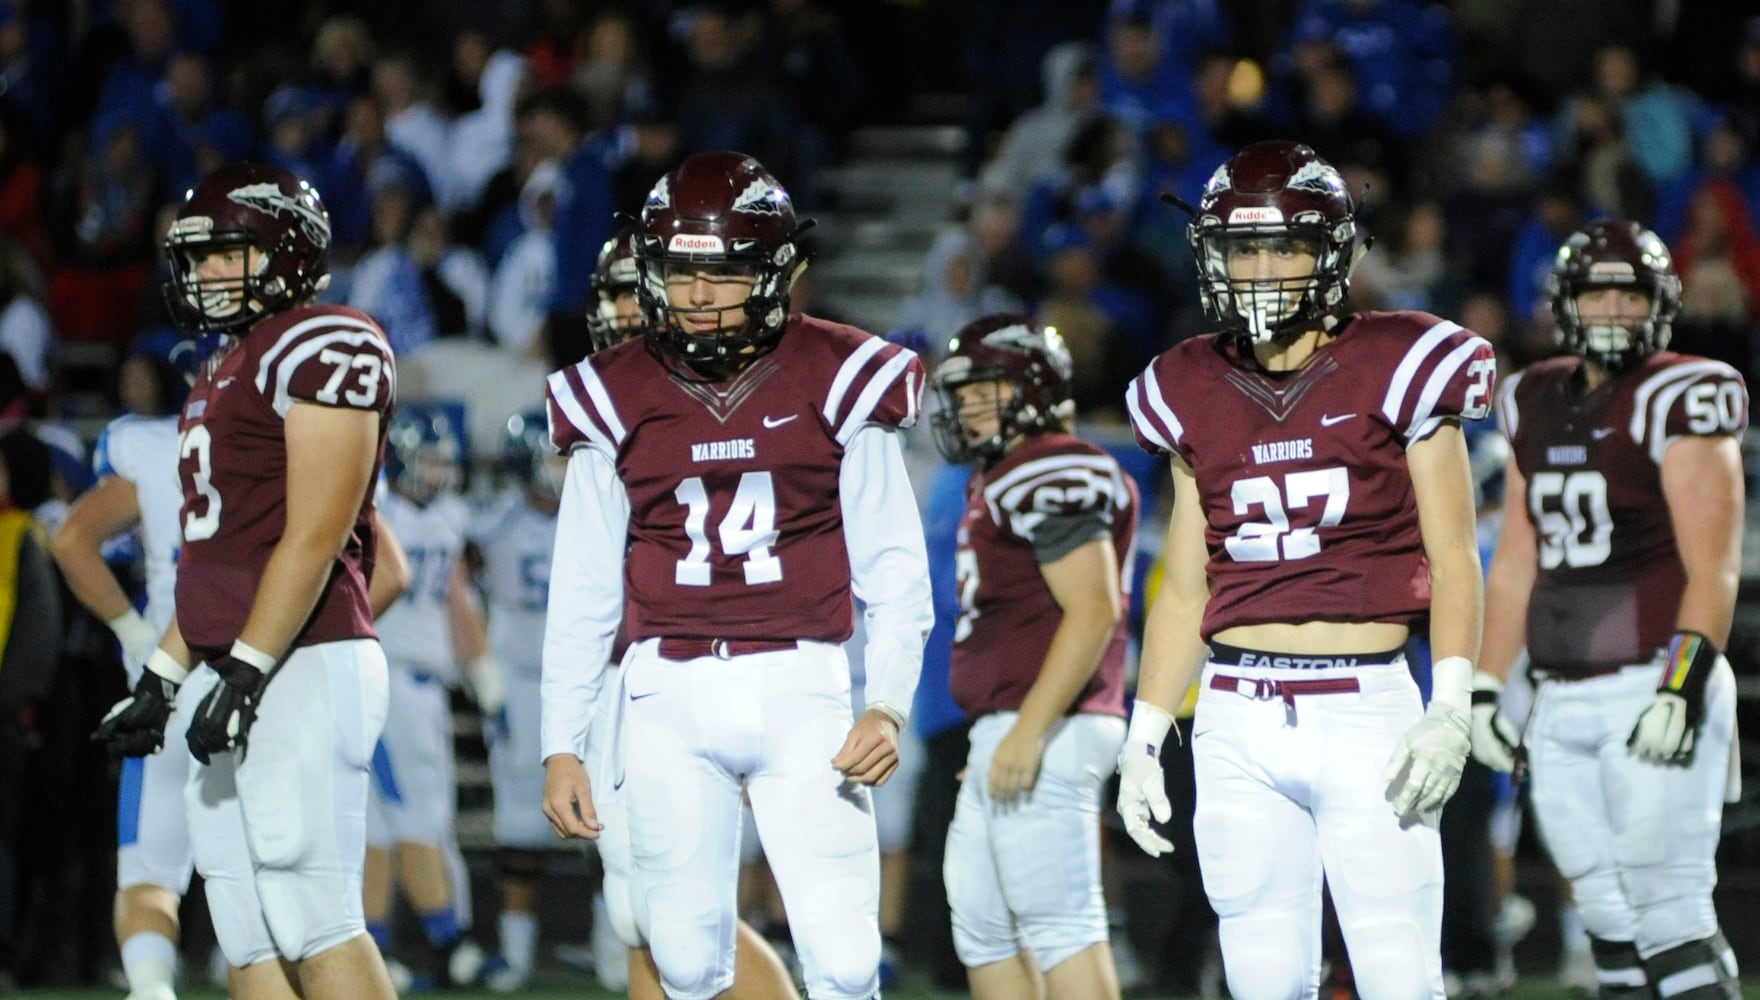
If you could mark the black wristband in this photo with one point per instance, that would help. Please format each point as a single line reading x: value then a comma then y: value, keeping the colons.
x: 1688, y: 666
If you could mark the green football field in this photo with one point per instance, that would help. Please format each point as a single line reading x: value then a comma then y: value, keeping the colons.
x: 576, y: 988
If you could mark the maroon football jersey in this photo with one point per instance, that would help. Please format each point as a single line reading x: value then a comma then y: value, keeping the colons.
x: 232, y: 462
x: 1610, y: 578
x: 736, y: 530
x: 1308, y: 504
x: 1008, y: 615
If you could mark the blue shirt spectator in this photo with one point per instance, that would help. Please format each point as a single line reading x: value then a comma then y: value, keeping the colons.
x: 1403, y: 52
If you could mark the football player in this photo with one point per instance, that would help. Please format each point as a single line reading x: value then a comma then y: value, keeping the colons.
x: 1038, y: 662
x: 1323, y: 503
x: 278, y: 448
x: 742, y: 463
x: 1620, y: 580
x: 435, y: 625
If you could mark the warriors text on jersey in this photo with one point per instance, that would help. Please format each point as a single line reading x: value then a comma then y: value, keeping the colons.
x: 143, y: 450
x: 735, y: 528
x: 1046, y: 498
x: 1610, y: 579
x: 1309, y: 508
x: 232, y: 463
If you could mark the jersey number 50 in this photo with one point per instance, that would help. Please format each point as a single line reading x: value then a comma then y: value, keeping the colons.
x: 1575, y: 527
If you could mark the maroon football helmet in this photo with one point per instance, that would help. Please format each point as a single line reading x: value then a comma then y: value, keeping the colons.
x: 280, y: 224
x: 614, y: 276
x: 1614, y: 253
x: 1018, y: 352
x: 1284, y: 194
x: 718, y: 212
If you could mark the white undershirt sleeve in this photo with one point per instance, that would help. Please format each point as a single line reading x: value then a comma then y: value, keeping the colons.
x: 586, y: 599
x: 889, y: 566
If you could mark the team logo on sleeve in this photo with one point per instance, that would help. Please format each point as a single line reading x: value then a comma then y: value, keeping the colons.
x: 269, y: 199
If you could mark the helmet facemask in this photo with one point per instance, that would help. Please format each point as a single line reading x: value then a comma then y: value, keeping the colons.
x: 955, y: 436
x: 1615, y: 346
x: 219, y: 304
x: 1270, y: 309
x: 721, y: 351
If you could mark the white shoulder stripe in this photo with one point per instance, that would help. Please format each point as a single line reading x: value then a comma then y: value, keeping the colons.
x: 1509, y: 412
x: 846, y: 374
x: 1158, y: 403
x: 1438, y: 383
x: 1079, y: 465
x: 1644, y: 409
x: 1408, y: 368
x: 1098, y: 476
x: 1140, y: 420
x: 564, y: 395
x: 870, y: 397
x: 291, y: 335
x: 602, y: 401
x: 289, y: 363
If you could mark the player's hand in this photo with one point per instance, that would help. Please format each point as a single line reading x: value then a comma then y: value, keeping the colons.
x: 1426, y: 766
x: 1664, y: 733
x: 488, y: 689
x: 1142, y: 790
x: 224, y: 718
x: 568, y: 798
x: 870, y: 752
x: 135, y: 726
x: 1496, y: 744
x: 1014, y: 768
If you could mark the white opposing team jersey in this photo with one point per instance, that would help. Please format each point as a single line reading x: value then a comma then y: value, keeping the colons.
x: 516, y: 542
x: 143, y: 450
x: 415, y: 631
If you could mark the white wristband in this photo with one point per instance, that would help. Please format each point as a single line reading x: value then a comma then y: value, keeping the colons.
x: 1149, y: 724
x: 166, y: 666
x: 1451, y: 683
x: 251, y: 656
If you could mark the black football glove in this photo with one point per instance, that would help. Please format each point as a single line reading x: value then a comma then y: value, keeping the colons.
x: 135, y: 726
x: 223, y: 720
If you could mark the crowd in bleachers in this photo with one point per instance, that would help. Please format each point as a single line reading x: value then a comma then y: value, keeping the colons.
x: 473, y: 153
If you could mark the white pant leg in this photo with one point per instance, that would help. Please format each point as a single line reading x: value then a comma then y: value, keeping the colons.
x: 604, y: 772
x: 216, y: 824
x: 152, y: 822
x: 818, y: 831
x: 1027, y: 874
x: 303, y: 789
x: 1385, y: 877
x: 689, y: 730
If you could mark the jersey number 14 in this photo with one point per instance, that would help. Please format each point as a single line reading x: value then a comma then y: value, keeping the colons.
x: 748, y: 528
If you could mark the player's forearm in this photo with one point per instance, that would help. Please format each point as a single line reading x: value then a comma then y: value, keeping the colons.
x: 87, y: 575
x: 391, y: 572
x: 464, y: 620
x: 1077, y: 646
x: 1173, y: 652
x: 293, y: 579
x: 1457, y: 602
x: 1508, y: 588
x: 1708, y: 604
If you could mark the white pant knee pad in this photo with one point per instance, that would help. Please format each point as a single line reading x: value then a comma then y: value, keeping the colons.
x: 1672, y: 904
x: 1268, y: 958
x: 1394, y: 961
x: 310, y: 912
x: 1056, y: 942
x: 1601, y: 902
x: 238, y: 921
x: 839, y: 966
x: 620, y: 910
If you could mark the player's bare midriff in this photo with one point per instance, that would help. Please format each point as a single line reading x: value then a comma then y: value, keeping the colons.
x: 1316, y: 637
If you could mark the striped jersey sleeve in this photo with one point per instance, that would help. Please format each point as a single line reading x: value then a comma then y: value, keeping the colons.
x: 1447, y: 372
x: 1157, y: 428
x: 1694, y: 397
x: 1069, y: 484
x: 877, y: 383
x: 581, y: 412
x: 334, y: 359
x: 1509, y: 410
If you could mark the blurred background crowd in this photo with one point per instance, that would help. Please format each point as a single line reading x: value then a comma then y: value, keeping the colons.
x: 963, y: 157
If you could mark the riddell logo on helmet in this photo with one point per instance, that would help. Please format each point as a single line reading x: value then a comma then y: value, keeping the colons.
x: 1264, y: 213
x: 692, y: 243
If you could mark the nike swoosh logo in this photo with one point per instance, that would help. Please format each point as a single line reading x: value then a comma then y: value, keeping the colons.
x: 638, y: 697
x: 1328, y: 421
x: 1600, y: 432
x: 618, y: 784
x: 772, y: 423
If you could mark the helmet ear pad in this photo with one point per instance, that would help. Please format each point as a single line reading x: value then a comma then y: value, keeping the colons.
x: 715, y: 212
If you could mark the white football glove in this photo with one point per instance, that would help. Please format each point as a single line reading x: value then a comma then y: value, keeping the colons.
x: 1663, y: 734
x: 1142, y: 793
x: 138, y: 637
x: 1496, y: 743
x: 1426, y: 766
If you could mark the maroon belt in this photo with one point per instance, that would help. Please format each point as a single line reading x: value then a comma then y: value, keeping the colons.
x: 1264, y: 688
x: 721, y: 649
